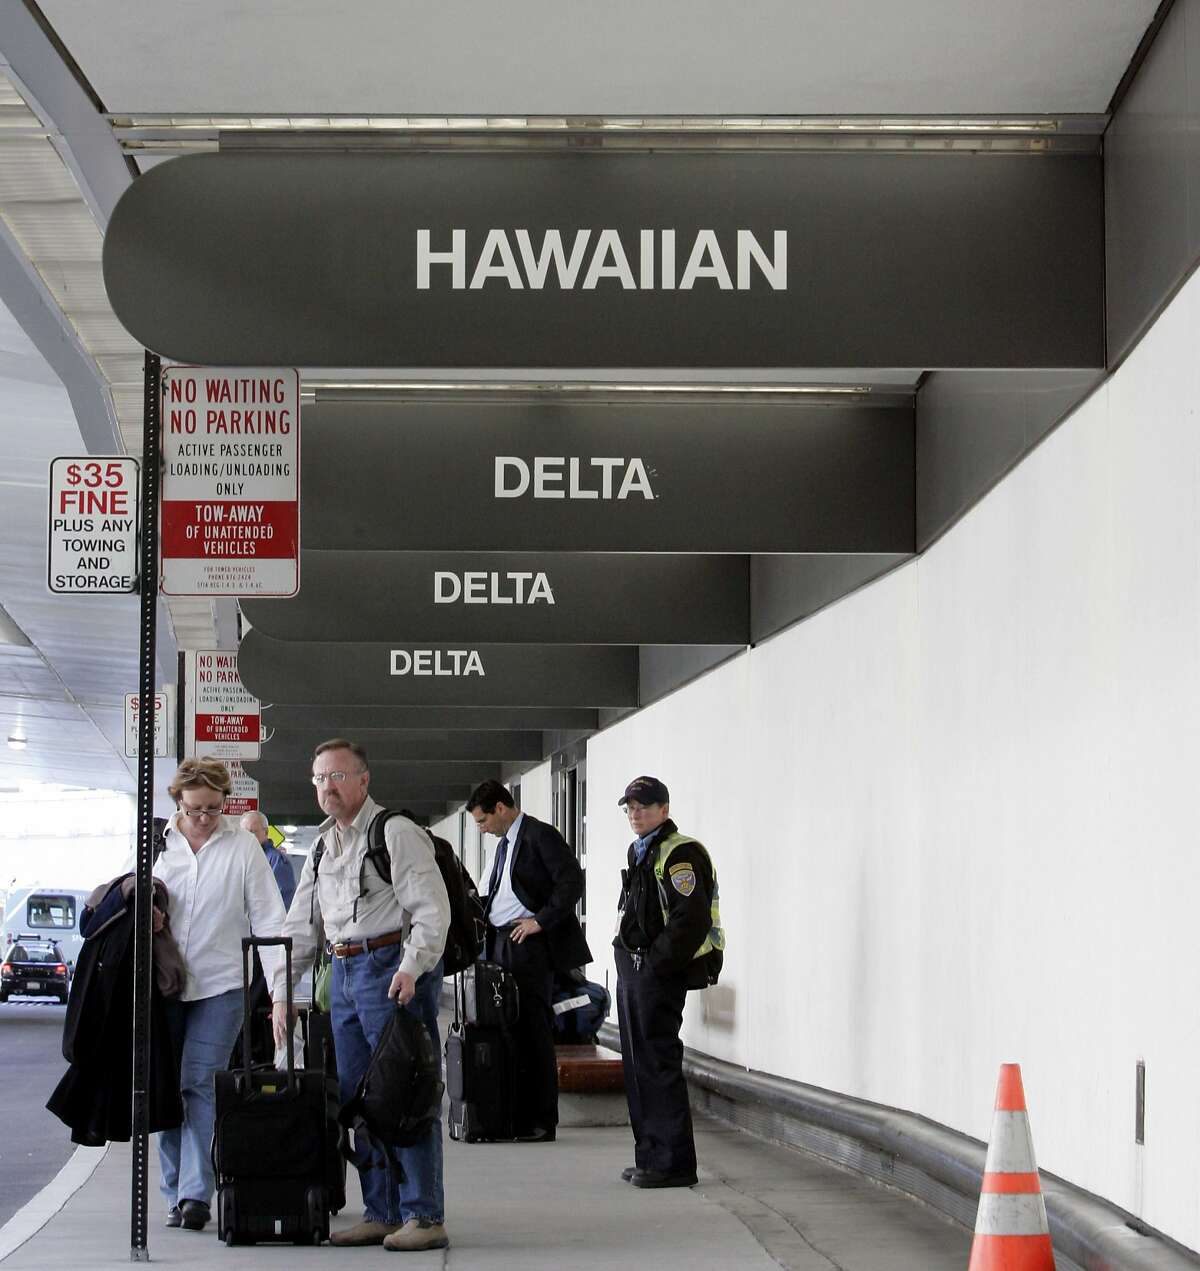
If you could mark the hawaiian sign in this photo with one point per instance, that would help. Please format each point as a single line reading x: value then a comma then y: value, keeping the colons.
x: 721, y: 258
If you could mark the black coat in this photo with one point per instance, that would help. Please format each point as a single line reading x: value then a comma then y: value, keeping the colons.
x: 94, y: 1097
x: 547, y: 880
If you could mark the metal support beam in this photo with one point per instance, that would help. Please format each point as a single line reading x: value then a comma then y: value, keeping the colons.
x: 142, y: 934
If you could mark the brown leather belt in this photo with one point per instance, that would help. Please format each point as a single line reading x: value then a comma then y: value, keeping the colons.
x: 352, y: 949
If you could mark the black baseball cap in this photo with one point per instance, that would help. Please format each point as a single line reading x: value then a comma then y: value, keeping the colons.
x: 645, y: 790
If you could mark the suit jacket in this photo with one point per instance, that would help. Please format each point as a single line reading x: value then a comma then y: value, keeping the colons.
x: 547, y: 880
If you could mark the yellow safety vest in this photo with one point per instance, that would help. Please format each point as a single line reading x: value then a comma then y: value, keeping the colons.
x: 716, y: 933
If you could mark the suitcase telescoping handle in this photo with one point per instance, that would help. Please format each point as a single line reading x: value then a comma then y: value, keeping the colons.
x: 259, y: 942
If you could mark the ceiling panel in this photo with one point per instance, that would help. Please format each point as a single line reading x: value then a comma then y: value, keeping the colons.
x: 693, y: 57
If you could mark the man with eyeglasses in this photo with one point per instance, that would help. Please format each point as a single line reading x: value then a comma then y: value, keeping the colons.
x: 387, y: 940
x: 220, y: 889
x: 669, y: 939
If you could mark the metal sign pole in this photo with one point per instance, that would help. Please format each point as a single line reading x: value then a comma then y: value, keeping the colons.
x: 142, y: 933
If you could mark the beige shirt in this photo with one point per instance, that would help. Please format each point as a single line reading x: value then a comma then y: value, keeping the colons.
x: 353, y: 903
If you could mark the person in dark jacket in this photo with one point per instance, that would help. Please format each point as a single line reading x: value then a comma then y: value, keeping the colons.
x: 277, y: 858
x: 669, y: 939
x: 532, y: 930
x: 94, y: 1096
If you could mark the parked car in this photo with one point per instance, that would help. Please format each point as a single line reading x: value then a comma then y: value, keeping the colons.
x: 34, y: 967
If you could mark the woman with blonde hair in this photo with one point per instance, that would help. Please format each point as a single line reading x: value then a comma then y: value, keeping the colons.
x: 221, y: 889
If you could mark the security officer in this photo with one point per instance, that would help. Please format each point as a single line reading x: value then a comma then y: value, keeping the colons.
x: 669, y: 939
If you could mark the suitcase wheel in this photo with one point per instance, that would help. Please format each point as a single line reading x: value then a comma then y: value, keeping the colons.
x: 227, y: 1216
x: 316, y: 1209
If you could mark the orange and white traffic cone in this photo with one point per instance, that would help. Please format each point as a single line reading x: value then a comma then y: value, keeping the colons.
x: 1011, y: 1232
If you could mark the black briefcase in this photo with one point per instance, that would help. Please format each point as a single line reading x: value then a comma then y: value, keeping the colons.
x: 490, y: 996
x: 277, y: 1146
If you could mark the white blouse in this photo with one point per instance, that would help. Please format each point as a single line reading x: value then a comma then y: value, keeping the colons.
x: 218, y: 895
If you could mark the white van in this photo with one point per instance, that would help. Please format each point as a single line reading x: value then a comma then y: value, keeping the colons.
x: 49, y: 912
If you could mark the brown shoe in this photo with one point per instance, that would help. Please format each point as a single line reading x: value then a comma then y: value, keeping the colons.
x: 417, y: 1234
x: 364, y: 1233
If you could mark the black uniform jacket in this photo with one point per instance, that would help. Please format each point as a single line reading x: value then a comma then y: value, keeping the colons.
x: 547, y: 880
x: 95, y: 1095
x: 667, y: 947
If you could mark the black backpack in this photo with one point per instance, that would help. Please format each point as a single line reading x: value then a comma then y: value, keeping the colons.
x: 464, y: 937
x: 400, y: 1095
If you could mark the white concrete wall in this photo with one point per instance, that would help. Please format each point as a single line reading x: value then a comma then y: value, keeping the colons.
x: 449, y: 828
x: 537, y: 793
x: 951, y: 813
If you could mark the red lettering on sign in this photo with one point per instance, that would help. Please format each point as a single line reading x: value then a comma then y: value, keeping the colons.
x: 219, y: 529
x: 236, y: 728
x: 93, y: 502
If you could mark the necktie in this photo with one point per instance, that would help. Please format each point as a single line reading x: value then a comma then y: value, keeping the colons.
x: 498, y: 866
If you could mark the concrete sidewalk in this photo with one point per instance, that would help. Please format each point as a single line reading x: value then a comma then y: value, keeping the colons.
x: 563, y: 1206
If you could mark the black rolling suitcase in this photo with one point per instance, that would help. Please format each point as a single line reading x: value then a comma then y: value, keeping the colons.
x: 277, y: 1147
x: 480, y: 1058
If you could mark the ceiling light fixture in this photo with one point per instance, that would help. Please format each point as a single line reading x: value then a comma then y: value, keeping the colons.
x: 17, y: 740
x: 128, y: 126
x: 569, y: 386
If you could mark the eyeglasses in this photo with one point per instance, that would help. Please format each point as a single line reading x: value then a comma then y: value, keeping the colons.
x: 319, y: 778
x: 195, y: 813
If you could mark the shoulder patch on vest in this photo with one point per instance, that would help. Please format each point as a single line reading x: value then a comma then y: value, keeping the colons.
x: 676, y: 868
x: 683, y: 879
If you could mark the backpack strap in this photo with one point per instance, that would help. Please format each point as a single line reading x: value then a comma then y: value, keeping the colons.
x: 317, y: 853
x: 377, y: 850
x: 377, y: 853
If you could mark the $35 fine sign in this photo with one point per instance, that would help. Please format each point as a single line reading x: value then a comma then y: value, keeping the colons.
x: 92, y: 531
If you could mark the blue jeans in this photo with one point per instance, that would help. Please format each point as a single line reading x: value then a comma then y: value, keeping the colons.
x: 359, y: 1007
x: 203, y: 1032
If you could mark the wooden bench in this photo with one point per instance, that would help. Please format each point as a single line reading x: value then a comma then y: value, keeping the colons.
x: 589, y: 1070
x: 591, y: 1086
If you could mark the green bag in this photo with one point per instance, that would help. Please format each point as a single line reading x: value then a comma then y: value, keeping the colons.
x: 323, y: 982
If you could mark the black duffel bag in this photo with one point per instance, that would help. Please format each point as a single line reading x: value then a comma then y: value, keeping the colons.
x: 400, y: 1095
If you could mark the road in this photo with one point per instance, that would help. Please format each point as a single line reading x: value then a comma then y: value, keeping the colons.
x: 34, y: 1145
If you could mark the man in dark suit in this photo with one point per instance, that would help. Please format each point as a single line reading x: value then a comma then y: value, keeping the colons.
x: 535, y: 885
